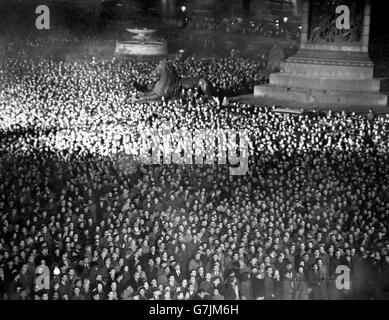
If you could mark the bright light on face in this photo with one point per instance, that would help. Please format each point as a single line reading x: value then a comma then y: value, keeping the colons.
x: 285, y: 19
x: 183, y: 8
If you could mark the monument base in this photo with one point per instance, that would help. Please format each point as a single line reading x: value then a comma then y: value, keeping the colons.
x: 137, y: 48
x: 324, y: 76
x: 142, y: 45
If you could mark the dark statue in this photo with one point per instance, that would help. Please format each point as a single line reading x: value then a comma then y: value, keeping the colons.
x: 170, y: 84
x: 276, y: 59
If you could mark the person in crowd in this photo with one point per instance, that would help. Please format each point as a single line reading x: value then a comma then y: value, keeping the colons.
x: 288, y: 286
x: 231, y: 291
x: 302, y: 289
x: 268, y: 282
x: 217, y: 295
x: 315, y: 282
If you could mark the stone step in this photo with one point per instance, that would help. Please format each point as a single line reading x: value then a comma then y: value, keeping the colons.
x: 329, y: 71
x: 330, y: 57
x: 365, y: 85
x: 305, y: 95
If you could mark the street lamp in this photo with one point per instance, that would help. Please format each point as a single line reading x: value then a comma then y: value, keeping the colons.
x: 184, y: 17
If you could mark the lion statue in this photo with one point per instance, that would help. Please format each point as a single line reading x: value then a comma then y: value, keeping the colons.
x: 170, y: 84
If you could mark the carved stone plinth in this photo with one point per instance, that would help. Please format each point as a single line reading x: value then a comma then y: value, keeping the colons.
x: 326, y: 73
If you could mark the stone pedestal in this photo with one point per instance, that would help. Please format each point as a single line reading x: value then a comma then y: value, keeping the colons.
x: 141, y: 45
x: 136, y: 48
x: 326, y: 73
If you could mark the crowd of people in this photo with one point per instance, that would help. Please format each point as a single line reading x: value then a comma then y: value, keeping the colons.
x: 82, y: 218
